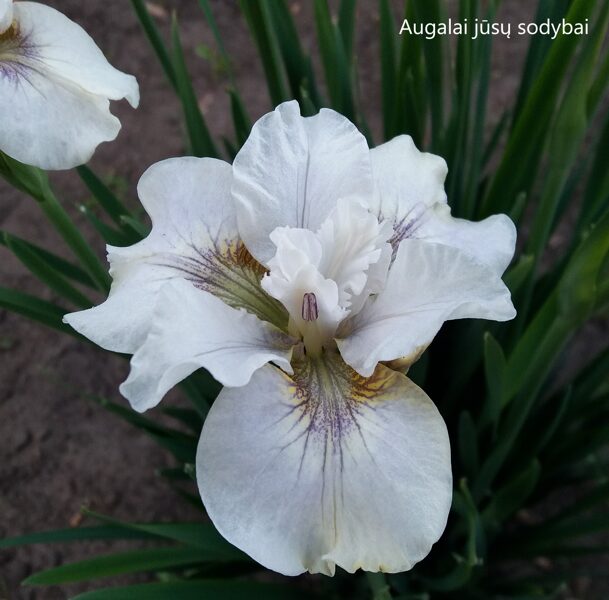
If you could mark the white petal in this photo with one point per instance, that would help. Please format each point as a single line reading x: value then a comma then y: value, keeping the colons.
x: 194, y: 237
x: 409, y: 191
x: 6, y: 15
x: 404, y: 177
x: 491, y: 241
x: 69, y: 52
x: 427, y: 285
x: 55, y: 87
x: 326, y: 469
x: 192, y: 328
x: 292, y: 170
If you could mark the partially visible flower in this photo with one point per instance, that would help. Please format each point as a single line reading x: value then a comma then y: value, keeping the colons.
x: 296, y: 277
x: 55, y: 88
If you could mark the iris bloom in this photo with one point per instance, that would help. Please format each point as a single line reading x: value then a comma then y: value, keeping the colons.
x: 302, y: 277
x: 55, y: 88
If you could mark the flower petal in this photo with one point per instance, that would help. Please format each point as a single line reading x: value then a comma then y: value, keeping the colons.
x: 409, y: 191
x: 326, y: 469
x: 292, y: 170
x: 427, y: 285
x: 192, y: 328
x: 194, y: 237
x: 55, y: 86
x: 6, y: 15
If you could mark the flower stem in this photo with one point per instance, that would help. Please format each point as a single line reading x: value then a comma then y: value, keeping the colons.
x: 379, y: 586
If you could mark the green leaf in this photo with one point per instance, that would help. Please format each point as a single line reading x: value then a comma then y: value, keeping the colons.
x: 346, y: 25
x: 111, y: 236
x: 523, y: 149
x: 201, y: 143
x: 211, y: 21
x: 388, y: 69
x: 334, y: 59
x: 102, y: 193
x: 62, y: 266
x: 550, y: 425
x: 187, y: 416
x: 35, y: 309
x: 203, y: 536
x: 495, y: 372
x: 539, y: 45
x: 47, y: 274
x: 578, y: 287
x: 595, y: 374
x: 75, y: 240
x: 199, y: 590
x: 201, y: 389
x: 258, y: 20
x: 412, y: 85
x: 110, y: 203
x: 156, y: 41
x: 463, y: 566
x: 75, y: 534
x: 430, y: 11
x: 519, y: 273
x: 567, y: 133
x: 241, y: 121
x: 140, y: 228
x: 181, y: 445
x: 597, y: 187
x: 479, y: 74
x: 120, y: 563
x: 297, y: 65
x: 468, y: 443
x: 30, y: 180
x: 512, y: 496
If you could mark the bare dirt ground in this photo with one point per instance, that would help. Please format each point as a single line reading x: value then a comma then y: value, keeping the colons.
x: 58, y: 450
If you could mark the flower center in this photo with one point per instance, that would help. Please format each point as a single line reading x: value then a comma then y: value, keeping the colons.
x: 322, y: 277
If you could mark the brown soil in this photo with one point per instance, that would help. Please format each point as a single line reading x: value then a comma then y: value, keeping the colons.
x: 59, y: 450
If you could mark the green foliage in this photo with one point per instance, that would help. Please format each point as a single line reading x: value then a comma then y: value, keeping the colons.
x: 522, y: 412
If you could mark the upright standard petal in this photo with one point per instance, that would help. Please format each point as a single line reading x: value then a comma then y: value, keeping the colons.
x: 194, y: 237
x: 427, y: 285
x: 55, y: 87
x: 325, y: 468
x: 292, y: 170
x: 409, y: 192
x: 191, y: 329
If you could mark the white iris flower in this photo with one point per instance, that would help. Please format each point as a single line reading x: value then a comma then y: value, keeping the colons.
x: 55, y: 88
x: 297, y: 276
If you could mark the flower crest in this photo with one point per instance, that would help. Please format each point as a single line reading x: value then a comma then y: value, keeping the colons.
x: 298, y: 276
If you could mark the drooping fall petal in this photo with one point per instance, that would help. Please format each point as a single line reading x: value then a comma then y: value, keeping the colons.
x: 325, y: 468
x: 191, y: 328
x: 427, y: 285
